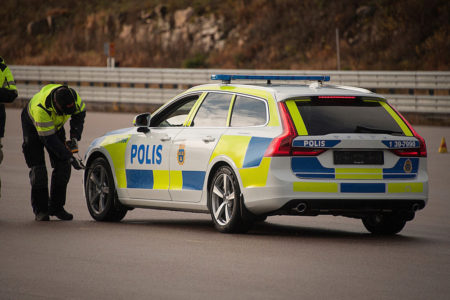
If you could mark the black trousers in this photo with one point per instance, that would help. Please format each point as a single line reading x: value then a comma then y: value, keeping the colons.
x: 2, y: 120
x: 33, y: 150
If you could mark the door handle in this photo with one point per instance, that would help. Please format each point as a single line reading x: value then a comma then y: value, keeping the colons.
x: 208, y: 139
x: 165, y: 138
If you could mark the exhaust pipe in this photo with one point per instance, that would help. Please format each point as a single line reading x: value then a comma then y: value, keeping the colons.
x: 301, y: 207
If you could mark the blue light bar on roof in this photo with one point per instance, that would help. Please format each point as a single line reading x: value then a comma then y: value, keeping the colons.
x: 227, y: 78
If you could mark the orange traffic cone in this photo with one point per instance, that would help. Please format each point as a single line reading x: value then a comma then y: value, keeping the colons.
x: 443, y: 146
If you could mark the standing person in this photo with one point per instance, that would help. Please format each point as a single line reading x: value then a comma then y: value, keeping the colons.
x: 43, y: 122
x: 8, y: 92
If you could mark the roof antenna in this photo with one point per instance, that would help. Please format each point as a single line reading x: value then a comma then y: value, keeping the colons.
x: 269, y: 81
x: 316, y: 84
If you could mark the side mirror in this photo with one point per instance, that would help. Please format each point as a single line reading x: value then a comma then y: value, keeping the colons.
x: 142, y: 121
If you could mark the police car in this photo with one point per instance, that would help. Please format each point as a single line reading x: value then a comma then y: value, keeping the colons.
x: 242, y: 152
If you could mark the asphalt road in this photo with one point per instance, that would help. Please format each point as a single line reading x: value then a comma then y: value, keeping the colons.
x: 171, y: 255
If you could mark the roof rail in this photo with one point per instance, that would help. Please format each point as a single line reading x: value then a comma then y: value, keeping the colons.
x: 226, y: 78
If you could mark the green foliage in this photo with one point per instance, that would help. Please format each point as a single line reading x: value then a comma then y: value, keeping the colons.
x: 264, y: 34
x: 197, y: 61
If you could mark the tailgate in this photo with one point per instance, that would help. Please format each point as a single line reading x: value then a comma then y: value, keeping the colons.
x: 355, y: 156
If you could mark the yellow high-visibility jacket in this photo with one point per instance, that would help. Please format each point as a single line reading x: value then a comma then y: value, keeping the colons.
x: 44, y: 115
x: 8, y: 92
x: 48, y: 123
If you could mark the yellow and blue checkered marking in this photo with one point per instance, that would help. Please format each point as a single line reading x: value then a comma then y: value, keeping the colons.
x: 255, y: 151
x: 310, y: 167
x: 150, y: 179
x: 315, y: 143
x: 354, y: 187
x: 247, y: 153
x: 139, y: 179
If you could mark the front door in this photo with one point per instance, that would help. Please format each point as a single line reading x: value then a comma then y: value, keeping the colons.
x: 147, y: 163
x: 148, y: 154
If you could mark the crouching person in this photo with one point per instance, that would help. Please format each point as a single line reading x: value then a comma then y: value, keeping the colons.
x: 43, y: 122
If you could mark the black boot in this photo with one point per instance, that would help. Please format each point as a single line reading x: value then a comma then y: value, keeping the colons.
x: 39, y: 202
x: 42, y: 216
x: 62, y: 214
x: 57, y: 201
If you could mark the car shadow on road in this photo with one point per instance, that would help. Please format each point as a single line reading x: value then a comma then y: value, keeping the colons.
x: 306, y: 232
x: 268, y: 229
x: 184, y: 224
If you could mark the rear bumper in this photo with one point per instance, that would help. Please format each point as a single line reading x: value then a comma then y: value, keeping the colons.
x: 349, y: 208
x: 334, y: 196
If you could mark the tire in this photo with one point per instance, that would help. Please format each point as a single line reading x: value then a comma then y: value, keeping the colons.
x: 388, y: 224
x: 101, y: 196
x: 224, y: 202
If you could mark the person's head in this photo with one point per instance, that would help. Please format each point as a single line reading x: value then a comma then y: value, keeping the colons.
x: 64, y: 100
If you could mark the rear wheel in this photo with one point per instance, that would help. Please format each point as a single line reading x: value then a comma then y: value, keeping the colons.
x: 384, y: 224
x: 224, y: 199
x: 101, y: 197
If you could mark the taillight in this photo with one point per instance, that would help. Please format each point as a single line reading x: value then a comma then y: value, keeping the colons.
x: 414, y: 152
x: 282, y: 144
x: 297, y: 151
x: 423, y: 145
x: 417, y: 152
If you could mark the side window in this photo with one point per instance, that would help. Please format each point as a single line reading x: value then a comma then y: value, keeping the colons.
x: 176, y: 114
x: 248, y: 112
x: 214, y: 111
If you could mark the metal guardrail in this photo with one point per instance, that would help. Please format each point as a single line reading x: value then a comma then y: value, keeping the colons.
x: 157, y: 86
x: 110, y: 94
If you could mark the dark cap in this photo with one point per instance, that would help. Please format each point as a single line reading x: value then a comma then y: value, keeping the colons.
x: 66, y: 100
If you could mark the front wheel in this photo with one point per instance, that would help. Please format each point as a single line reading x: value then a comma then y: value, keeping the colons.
x: 224, y: 199
x: 101, y: 197
x: 386, y: 224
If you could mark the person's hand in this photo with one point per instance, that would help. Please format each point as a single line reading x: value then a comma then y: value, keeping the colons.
x: 72, y: 145
x: 76, y: 163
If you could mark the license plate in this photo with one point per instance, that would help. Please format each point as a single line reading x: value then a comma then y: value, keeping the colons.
x: 358, y: 157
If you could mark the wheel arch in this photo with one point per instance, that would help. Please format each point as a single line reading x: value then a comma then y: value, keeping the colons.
x: 219, y: 161
x: 93, y: 155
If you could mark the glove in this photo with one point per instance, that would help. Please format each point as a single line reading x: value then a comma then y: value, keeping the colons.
x: 72, y: 145
x: 76, y: 163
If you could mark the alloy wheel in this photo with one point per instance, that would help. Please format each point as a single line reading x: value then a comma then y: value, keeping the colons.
x: 98, y: 189
x: 223, y: 199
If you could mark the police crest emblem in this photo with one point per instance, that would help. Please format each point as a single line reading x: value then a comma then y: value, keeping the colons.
x: 407, y: 167
x: 180, y: 154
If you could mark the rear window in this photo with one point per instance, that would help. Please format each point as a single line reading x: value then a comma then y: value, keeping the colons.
x: 248, y: 112
x: 324, y: 116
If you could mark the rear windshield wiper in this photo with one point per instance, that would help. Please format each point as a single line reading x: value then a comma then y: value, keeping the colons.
x: 362, y: 129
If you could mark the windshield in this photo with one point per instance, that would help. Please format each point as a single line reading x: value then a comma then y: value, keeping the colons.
x: 324, y: 116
